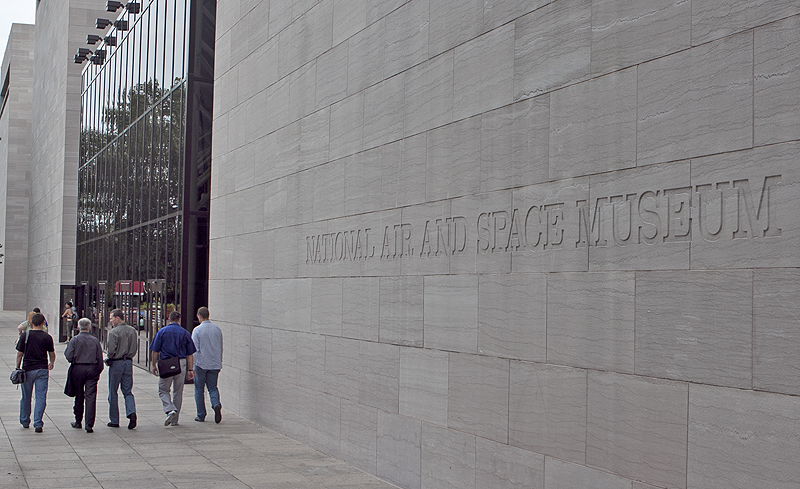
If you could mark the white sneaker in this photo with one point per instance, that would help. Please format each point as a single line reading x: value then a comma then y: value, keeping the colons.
x: 170, y: 416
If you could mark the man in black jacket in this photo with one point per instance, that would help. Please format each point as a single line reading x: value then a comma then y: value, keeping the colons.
x: 86, y: 356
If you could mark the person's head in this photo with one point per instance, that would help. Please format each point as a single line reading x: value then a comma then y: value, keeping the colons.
x: 116, y: 316
x: 175, y: 317
x: 36, y: 309
x: 68, y: 304
x: 37, y: 319
x: 202, y: 314
x: 84, y: 324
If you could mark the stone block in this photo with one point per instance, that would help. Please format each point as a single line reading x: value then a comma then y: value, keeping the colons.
x: 593, y: 126
x: 342, y: 360
x: 274, y: 201
x: 297, y: 308
x: 358, y: 445
x: 452, y: 22
x: 379, y: 376
x: 428, y: 95
x: 362, y: 182
x: 695, y: 326
x: 683, y: 96
x: 552, y: 47
x: 284, y: 356
x: 399, y: 450
x: 407, y: 32
x: 625, y: 33
x: 500, y: 466
x: 401, y: 309
x: 546, y: 218
x: 310, y: 359
x: 349, y: 17
x: 453, y: 160
x: 511, y: 323
x: 745, y: 201
x: 409, y: 181
x: 451, y: 313
x: 776, y: 79
x: 448, y: 458
x: 636, y: 428
x: 423, y: 384
x: 776, y: 332
x: 639, y: 226
x: 565, y: 475
x: 365, y: 54
x: 491, y: 254
x: 713, y: 19
x: 314, y: 139
x: 307, y: 37
x: 326, y: 306
x: 514, y: 143
x: 329, y: 190
x: 421, y: 252
x: 324, y: 423
x: 499, y: 12
x: 360, y: 309
x: 383, y: 112
x: 547, y: 410
x: 742, y: 439
x: 331, y: 76
x: 590, y: 320
x: 261, y: 350
x: 477, y: 396
x: 300, y: 197
x: 484, y: 72
x: 347, y: 126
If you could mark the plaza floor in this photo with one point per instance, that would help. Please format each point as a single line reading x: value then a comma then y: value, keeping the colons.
x: 233, y: 454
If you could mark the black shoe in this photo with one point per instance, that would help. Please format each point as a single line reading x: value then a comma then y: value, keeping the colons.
x: 218, y: 413
x: 198, y: 419
x: 38, y: 429
x: 89, y: 429
x: 110, y: 425
x: 76, y: 424
x: 26, y: 426
x: 132, y: 422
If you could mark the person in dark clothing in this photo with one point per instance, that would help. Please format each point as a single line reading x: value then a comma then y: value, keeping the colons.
x: 33, y: 348
x: 85, y: 354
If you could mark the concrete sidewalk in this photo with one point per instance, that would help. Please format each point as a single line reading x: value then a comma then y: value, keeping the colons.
x: 233, y: 454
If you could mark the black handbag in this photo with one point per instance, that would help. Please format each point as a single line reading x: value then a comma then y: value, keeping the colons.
x: 17, y: 376
x: 169, y: 367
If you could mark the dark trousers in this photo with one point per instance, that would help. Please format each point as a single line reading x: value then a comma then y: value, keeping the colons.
x: 85, y: 378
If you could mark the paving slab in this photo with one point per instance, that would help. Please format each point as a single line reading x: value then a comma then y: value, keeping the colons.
x: 236, y: 453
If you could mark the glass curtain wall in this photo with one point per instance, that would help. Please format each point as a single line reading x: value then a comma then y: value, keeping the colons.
x: 142, y: 158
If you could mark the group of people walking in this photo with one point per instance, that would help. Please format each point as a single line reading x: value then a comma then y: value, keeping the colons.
x: 199, y: 356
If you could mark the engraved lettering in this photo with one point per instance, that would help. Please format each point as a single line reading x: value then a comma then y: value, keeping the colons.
x: 758, y: 220
x: 555, y: 227
x: 590, y: 234
x: 651, y: 220
x: 484, y: 235
x: 679, y: 218
x: 459, y: 234
x: 514, y: 240
x: 500, y: 220
x: 533, y: 227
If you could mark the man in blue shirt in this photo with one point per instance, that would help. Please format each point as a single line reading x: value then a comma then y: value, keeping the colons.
x: 172, y: 341
x: 207, y: 339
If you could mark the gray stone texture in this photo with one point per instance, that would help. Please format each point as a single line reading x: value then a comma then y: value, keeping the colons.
x: 709, y: 336
x: 547, y: 410
x: 636, y: 427
x: 15, y: 153
x: 583, y: 237
x: 740, y: 439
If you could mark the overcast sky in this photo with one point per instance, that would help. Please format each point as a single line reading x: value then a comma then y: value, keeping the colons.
x: 14, y: 12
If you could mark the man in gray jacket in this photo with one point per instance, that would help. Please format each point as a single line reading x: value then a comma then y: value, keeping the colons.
x: 123, y: 343
x: 86, y: 356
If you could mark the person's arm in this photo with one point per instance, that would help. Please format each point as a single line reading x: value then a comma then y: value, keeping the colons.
x: 52, y: 360
x: 19, y: 359
x: 190, y: 366
x: 69, y: 351
x: 154, y: 362
x: 111, y: 345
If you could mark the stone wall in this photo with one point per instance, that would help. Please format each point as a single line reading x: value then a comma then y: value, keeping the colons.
x: 514, y: 243
x: 15, y: 157
x: 61, y: 29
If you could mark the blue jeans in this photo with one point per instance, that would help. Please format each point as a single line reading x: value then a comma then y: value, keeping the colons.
x: 37, y: 379
x: 120, y: 375
x: 203, y: 378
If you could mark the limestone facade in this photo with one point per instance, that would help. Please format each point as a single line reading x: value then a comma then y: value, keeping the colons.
x: 506, y: 243
x: 16, y: 80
